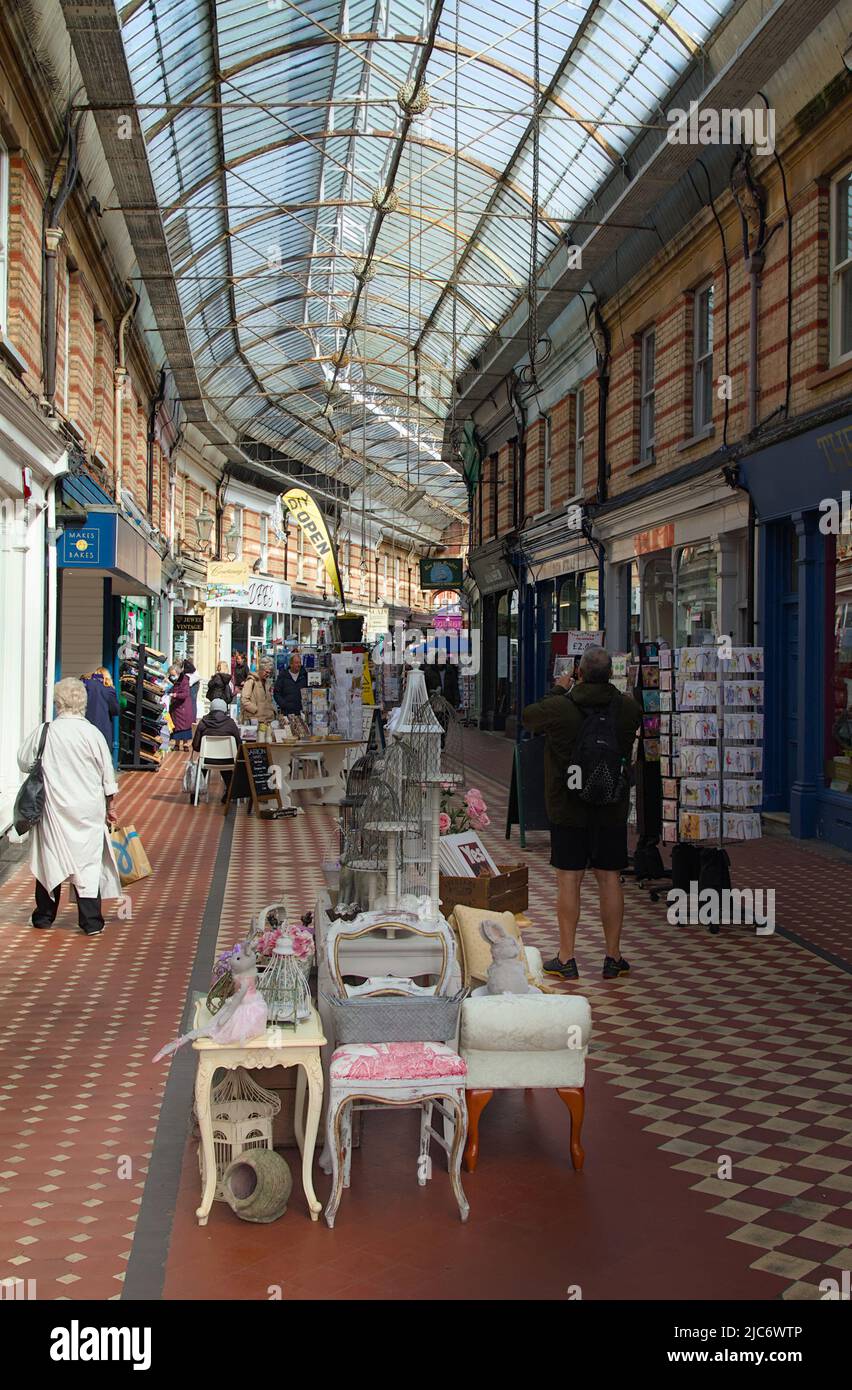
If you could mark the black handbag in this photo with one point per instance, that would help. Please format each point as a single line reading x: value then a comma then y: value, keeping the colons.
x: 29, y: 803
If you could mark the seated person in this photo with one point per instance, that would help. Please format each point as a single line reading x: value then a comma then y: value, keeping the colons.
x: 217, y: 724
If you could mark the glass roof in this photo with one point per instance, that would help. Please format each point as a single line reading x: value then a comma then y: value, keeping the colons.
x: 340, y: 253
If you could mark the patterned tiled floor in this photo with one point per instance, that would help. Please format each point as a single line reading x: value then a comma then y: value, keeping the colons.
x: 719, y: 1125
x: 82, y: 1018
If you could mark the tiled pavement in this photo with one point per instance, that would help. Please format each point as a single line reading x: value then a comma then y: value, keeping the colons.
x: 717, y: 1055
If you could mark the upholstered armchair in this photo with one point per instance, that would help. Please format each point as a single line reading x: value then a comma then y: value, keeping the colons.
x: 515, y: 1041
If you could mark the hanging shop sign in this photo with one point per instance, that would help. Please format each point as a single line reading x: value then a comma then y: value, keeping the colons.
x: 307, y: 514
x: 447, y: 622
x: 189, y: 622
x: 227, y: 572
x: 439, y: 572
x: 657, y: 538
x: 257, y: 596
x: 574, y: 643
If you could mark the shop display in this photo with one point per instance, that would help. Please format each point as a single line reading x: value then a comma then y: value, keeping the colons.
x: 720, y: 737
x: 241, y: 1017
x: 142, y: 718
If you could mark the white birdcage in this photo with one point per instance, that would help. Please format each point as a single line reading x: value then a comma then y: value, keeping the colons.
x: 418, y: 728
x: 284, y: 987
x: 241, y: 1112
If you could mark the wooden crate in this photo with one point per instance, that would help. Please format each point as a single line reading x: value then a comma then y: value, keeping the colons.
x: 508, y: 892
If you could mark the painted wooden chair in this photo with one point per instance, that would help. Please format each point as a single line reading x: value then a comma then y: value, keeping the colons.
x: 368, y: 1076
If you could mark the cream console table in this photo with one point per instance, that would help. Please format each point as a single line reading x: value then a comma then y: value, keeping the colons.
x: 333, y: 752
x: 279, y: 1046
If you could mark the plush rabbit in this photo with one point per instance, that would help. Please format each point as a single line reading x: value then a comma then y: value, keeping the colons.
x: 506, y: 974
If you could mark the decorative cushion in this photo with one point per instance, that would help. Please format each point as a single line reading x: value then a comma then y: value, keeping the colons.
x: 474, y: 949
x: 526, y: 1023
x: 403, y: 1061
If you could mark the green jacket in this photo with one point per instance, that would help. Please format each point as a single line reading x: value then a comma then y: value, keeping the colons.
x: 558, y: 716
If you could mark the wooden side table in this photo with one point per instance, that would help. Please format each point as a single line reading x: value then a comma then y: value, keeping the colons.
x: 277, y: 1047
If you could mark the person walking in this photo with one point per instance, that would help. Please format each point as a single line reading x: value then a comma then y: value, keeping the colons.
x: 101, y: 702
x: 219, y: 686
x: 217, y: 723
x: 71, y: 841
x: 194, y: 685
x: 241, y: 671
x: 180, y: 707
x: 590, y: 728
x: 292, y: 680
x: 256, y: 695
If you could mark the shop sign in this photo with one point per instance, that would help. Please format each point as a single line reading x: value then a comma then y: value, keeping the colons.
x: 189, y: 622
x: 235, y: 572
x: 258, y: 596
x: 574, y: 643
x: 657, y: 538
x: 88, y: 547
x: 308, y: 516
x: 447, y: 622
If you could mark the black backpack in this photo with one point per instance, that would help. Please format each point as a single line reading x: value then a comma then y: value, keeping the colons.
x: 598, y: 756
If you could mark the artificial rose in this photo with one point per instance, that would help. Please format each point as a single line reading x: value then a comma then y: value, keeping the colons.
x: 480, y: 822
x: 476, y: 806
x: 443, y: 822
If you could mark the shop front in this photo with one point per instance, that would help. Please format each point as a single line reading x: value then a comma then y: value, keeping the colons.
x: 676, y: 564
x: 802, y: 489
x: 31, y: 459
x: 252, y: 616
x: 309, y: 623
x: 497, y: 581
x: 110, y: 583
x: 562, y: 594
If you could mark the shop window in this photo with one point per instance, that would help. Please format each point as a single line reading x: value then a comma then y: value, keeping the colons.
x: 696, y: 595
x: 4, y: 237
x: 657, y: 600
x: 838, y: 771
x: 579, y: 603
x: 576, y: 484
x: 507, y: 653
x: 264, y: 543
x: 841, y: 267
x: 547, y: 463
x: 647, y: 374
x: 634, y: 607
x: 702, y: 360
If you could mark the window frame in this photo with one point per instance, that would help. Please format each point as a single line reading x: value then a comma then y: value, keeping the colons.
x: 702, y: 361
x: 838, y: 270
x: 647, y: 393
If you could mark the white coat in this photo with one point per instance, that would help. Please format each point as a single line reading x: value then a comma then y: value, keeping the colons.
x: 72, y: 839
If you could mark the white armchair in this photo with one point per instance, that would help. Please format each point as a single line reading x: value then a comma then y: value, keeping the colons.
x: 514, y: 1041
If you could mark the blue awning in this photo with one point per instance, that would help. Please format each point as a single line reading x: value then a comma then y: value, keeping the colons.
x: 79, y: 487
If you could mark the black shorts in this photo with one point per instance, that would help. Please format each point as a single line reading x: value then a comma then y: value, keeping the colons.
x: 588, y: 847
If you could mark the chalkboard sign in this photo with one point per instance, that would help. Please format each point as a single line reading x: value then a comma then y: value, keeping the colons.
x: 526, y: 794
x: 252, y: 777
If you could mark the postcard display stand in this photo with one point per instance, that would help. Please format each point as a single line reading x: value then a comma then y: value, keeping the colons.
x: 713, y: 767
x: 651, y: 688
x: 140, y: 722
x: 346, y: 694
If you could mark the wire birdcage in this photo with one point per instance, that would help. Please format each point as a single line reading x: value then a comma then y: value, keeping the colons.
x: 284, y: 987
x: 452, y: 741
x: 241, y: 1114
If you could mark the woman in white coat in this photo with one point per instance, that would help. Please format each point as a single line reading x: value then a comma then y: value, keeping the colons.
x: 72, y: 839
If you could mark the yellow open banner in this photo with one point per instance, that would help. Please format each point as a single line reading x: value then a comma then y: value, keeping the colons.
x: 305, y: 511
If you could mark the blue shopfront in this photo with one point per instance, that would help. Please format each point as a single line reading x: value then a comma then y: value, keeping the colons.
x: 801, y: 489
x: 109, y: 580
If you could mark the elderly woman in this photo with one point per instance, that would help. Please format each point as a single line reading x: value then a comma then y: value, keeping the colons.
x: 256, y: 695
x: 180, y: 707
x: 72, y: 839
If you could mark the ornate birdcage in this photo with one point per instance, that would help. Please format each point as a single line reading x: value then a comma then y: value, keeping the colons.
x: 241, y: 1113
x: 419, y: 730
x: 452, y: 741
x: 284, y: 987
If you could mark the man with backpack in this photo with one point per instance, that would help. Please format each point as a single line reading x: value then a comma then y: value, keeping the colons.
x: 590, y: 727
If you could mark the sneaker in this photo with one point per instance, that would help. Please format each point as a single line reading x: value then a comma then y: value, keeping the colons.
x: 565, y: 969
x: 613, y: 968
x: 91, y: 931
